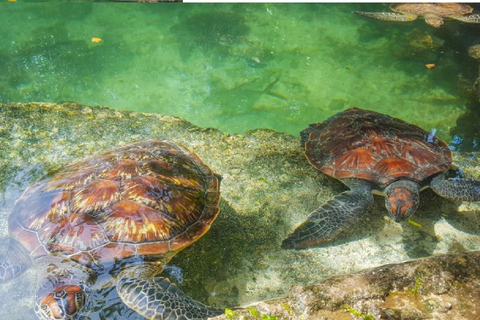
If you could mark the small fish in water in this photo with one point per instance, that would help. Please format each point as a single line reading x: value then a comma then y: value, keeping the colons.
x: 254, y: 62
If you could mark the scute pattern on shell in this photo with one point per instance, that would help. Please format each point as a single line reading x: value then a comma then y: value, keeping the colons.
x: 375, y: 147
x: 439, y: 9
x: 144, y: 198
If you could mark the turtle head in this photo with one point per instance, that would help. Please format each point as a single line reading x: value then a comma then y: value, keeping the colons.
x: 62, y: 302
x: 401, y: 199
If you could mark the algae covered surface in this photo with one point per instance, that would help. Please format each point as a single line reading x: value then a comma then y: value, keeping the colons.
x: 267, y: 189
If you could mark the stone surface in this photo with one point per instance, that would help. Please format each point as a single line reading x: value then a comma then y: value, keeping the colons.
x: 441, y: 287
x: 474, y: 51
x: 268, y: 188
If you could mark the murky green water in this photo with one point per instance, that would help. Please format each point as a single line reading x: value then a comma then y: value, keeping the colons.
x: 237, y: 67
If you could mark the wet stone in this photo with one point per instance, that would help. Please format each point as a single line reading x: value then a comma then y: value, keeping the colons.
x: 408, y: 290
x: 268, y: 188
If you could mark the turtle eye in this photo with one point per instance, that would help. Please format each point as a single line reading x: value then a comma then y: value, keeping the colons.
x: 63, y: 303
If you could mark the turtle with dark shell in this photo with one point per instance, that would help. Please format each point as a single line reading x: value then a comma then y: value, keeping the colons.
x: 434, y: 13
x: 370, y: 153
x: 125, y: 212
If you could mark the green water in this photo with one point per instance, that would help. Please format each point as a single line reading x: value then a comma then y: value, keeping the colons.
x: 238, y: 66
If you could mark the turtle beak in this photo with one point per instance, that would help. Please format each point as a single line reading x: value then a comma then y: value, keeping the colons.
x: 399, y: 213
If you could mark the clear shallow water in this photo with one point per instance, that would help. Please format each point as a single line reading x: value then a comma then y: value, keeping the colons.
x: 239, y: 66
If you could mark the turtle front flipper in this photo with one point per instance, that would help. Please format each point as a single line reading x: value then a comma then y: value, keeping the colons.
x: 456, y: 188
x: 388, y: 16
x: 14, y: 263
x: 473, y: 18
x: 158, y: 298
x: 330, y: 219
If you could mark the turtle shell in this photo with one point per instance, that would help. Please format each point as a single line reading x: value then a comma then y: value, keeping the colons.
x: 439, y: 9
x: 372, y: 146
x: 141, y: 199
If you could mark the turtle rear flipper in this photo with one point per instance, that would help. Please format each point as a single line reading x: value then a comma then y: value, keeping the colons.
x: 14, y: 263
x: 330, y: 219
x: 472, y: 18
x: 158, y: 298
x: 456, y: 189
x: 388, y: 16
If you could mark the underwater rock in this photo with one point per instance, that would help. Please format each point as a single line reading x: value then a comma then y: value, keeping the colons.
x: 474, y: 52
x: 268, y: 188
x: 441, y: 287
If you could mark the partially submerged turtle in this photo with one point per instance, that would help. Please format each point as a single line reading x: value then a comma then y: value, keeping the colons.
x: 434, y: 13
x: 125, y: 212
x: 372, y: 152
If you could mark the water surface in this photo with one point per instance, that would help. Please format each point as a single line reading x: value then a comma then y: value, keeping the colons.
x: 238, y: 66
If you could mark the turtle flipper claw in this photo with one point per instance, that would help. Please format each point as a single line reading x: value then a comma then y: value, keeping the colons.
x: 158, y: 298
x: 330, y: 219
x: 387, y: 16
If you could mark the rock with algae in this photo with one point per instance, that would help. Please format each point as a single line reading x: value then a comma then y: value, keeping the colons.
x: 268, y: 187
x: 474, y: 52
x: 442, y: 287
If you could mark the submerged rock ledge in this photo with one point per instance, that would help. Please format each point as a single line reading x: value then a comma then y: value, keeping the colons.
x: 268, y: 188
x: 442, y: 287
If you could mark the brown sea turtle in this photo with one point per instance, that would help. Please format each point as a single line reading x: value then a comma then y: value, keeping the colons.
x: 125, y: 212
x: 372, y: 152
x: 434, y: 13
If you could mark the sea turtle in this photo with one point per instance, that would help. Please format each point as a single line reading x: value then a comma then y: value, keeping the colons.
x: 432, y: 12
x: 124, y: 212
x: 373, y: 152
